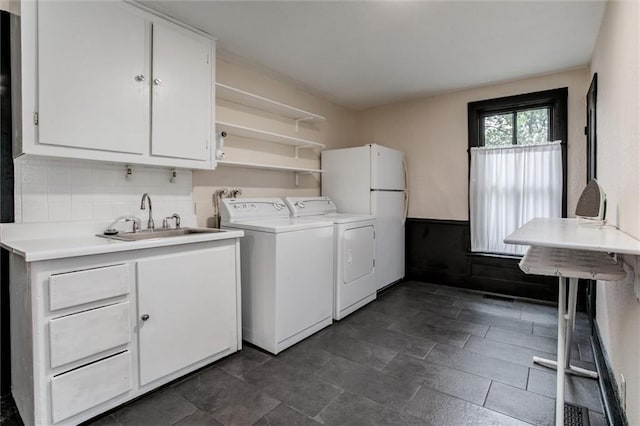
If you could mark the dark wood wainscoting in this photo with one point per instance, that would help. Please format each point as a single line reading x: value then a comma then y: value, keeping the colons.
x: 438, y: 251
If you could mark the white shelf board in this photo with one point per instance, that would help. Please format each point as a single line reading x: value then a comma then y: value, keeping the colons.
x: 249, y: 132
x: 252, y: 100
x: 267, y: 167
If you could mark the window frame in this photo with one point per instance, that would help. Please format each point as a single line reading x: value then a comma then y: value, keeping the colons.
x: 554, y: 99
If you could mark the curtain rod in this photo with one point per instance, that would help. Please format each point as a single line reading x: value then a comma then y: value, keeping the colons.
x: 531, y: 145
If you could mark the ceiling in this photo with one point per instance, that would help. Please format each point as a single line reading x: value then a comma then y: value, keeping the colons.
x: 367, y: 53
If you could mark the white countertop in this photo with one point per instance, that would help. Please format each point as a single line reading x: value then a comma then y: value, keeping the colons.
x: 569, y: 234
x: 37, y: 242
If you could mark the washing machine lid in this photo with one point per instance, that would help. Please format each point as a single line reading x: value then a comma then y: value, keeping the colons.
x: 279, y: 225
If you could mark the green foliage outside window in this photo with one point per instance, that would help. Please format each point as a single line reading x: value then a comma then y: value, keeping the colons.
x: 531, y: 127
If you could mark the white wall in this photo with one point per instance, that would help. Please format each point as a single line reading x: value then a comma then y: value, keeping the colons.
x: 53, y: 190
x: 433, y: 133
x: 616, y: 59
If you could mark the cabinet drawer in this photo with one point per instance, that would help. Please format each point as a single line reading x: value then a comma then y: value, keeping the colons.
x: 86, y: 387
x: 87, y: 333
x: 78, y: 287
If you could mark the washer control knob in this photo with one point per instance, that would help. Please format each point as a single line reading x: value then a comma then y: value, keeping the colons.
x: 299, y: 204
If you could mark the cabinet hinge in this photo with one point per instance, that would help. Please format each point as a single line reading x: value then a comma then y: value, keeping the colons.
x: 35, y: 118
x: 207, y: 58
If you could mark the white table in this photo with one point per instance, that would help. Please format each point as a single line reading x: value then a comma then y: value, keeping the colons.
x: 569, y: 250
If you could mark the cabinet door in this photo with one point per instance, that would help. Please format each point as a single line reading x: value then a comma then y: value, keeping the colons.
x: 89, y: 54
x: 190, y: 300
x: 182, y: 92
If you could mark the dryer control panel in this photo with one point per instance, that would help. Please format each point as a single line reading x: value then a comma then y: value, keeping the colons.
x: 310, y: 206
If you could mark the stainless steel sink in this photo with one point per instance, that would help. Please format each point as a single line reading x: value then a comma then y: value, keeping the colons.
x: 161, y: 233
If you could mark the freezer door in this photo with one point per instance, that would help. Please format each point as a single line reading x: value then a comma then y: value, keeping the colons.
x: 346, y: 179
x: 387, y: 168
x: 388, y: 206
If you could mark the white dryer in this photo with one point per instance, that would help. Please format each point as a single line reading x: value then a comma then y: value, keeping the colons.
x: 354, y: 252
x: 287, y: 272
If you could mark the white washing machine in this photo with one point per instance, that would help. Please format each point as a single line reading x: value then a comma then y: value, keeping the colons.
x: 287, y: 272
x: 354, y: 252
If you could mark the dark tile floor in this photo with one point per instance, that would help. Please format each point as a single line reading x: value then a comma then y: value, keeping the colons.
x: 420, y: 354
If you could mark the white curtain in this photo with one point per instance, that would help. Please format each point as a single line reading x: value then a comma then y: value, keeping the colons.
x: 510, y: 186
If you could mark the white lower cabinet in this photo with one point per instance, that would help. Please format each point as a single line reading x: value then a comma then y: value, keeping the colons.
x: 177, y: 329
x: 92, y: 332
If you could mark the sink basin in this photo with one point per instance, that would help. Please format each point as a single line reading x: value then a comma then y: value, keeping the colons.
x: 161, y: 233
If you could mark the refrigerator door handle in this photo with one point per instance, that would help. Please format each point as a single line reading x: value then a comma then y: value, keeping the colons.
x: 406, y: 190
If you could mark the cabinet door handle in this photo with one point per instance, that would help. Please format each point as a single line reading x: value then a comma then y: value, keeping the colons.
x: 157, y: 81
x: 144, y: 317
x: 139, y: 77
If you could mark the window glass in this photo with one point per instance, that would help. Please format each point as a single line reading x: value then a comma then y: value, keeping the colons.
x: 498, y: 129
x: 532, y: 126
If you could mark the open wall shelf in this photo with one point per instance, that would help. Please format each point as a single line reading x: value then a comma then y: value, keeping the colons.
x: 267, y: 167
x: 296, y: 170
x: 252, y: 100
x: 261, y: 103
x: 252, y: 133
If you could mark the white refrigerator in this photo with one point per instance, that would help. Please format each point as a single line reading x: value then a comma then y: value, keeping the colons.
x: 372, y: 179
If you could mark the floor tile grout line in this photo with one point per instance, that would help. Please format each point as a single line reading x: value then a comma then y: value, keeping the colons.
x: 429, y: 351
x: 475, y: 374
x: 484, y: 403
x: 195, y: 408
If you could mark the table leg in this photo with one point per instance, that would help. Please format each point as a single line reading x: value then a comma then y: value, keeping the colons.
x: 571, y: 320
x: 562, y: 328
x: 569, y: 326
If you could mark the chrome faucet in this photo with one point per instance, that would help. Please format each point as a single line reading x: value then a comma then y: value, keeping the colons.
x: 150, y: 224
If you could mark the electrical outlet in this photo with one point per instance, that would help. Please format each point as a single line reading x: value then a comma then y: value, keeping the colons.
x: 623, y: 392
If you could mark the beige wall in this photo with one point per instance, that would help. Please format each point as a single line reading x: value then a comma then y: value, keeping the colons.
x: 339, y: 130
x: 616, y: 59
x: 433, y: 134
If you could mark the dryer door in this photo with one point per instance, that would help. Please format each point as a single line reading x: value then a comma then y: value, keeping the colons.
x: 359, y: 252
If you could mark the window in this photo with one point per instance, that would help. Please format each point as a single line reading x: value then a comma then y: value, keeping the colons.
x: 517, y: 127
x: 516, y: 173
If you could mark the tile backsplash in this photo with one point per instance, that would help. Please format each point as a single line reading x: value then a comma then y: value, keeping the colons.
x: 55, y: 190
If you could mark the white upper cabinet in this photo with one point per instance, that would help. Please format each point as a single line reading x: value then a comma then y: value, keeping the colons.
x: 112, y: 81
x: 89, y: 55
x: 181, y: 110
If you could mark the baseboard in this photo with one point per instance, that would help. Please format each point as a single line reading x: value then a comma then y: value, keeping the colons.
x: 608, y: 384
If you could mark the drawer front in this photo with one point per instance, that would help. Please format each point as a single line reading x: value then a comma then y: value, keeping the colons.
x: 90, y: 285
x: 86, y: 387
x: 87, y: 333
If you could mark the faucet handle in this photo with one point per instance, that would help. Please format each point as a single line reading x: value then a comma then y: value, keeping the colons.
x: 176, y: 216
x: 136, y: 223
